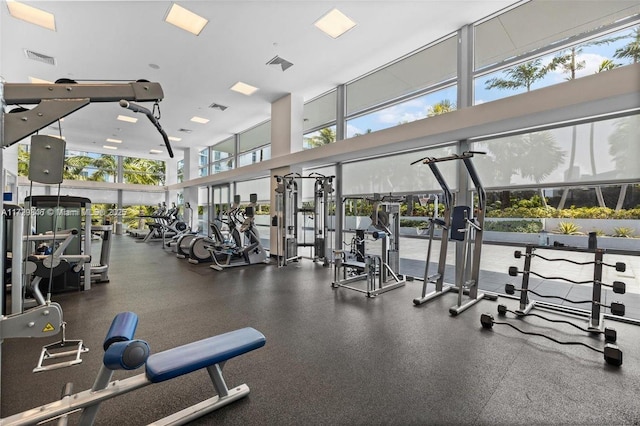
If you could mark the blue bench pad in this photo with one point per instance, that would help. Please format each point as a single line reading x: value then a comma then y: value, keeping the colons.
x: 201, y: 354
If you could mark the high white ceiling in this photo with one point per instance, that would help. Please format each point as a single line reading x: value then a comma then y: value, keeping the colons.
x: 129, y: 40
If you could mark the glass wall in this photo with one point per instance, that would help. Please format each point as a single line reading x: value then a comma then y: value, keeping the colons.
x: 438, y: 102
x: 395, y: 174
x: 538, y: 24
x: 418, y: 86
x: 222, y: 155
x: 540, y: 44
x: 142, y: 171
x: 319, y: 120
x: 433, y: 65
x: 254, y: 144
x: 180, y: 171
x: 601, y: 151
x: 203, y: 162
x: 262, y: 220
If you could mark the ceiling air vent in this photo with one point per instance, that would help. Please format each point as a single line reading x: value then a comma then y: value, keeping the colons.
x: 183, y: 130
x: 218, y: 106
x: 277, y: 60
x: 40, y: 57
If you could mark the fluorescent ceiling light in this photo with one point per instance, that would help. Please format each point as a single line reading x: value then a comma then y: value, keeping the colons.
x: 174, y: 139
x: 114, y: 140
x: 127, y: 119
x: 335, y: 23
x: 37, y: 80
x: 32, y: 15
x: 109, y: 147
x: 244, y: 88
x: 155, y: 151
x: 185, y: 19
x: 200, y: 120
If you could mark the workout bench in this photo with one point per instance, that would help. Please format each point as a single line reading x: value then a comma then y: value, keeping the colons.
x: 124, y: 353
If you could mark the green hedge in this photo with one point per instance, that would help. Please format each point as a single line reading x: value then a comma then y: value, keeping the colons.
x: 570, y: 213
x: 528, y: 226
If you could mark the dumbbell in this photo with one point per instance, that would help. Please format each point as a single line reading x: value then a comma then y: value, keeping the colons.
x: 509, y: 289
x: 610, y: 334
x: 618, y: 287
x: 620, y: 266
x: 617, y: 308
x: 612, y: 354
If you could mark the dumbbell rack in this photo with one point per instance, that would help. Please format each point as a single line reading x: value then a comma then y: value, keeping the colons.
x: 595, y: 314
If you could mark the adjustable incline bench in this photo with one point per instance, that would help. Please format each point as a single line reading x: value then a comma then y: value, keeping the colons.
x: 122, y: 352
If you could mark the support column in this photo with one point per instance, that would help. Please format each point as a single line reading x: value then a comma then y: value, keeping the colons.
x: 464, y: 100
x: 191, y: 165
x: 286, y: 125
x: 341, y: 108
x: 287, y: 115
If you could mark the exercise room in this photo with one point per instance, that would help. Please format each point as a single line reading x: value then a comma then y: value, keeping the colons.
x: 320, y: 212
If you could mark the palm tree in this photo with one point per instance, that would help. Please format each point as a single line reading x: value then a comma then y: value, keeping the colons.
x: 324, y: 137
x: 569, y: 64
x: 23, y: 160
x: 520, y: 76
x: 441, y: 107
x: 143, y: 172
x: 75, y: 166
x: 605, y: 65
x: 548, y: 157
x: 624, y: 149
x: 106, y: 166
x: 632, y: 49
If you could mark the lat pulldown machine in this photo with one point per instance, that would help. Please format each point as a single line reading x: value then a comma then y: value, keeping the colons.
x: 460, y: 224
x: 381, y: 273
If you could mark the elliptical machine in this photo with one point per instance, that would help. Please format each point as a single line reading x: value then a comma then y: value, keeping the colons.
x: 197, y: 250
x: 248, y: 252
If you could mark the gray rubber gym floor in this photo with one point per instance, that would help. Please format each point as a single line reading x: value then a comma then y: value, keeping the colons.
x: 332, y: 356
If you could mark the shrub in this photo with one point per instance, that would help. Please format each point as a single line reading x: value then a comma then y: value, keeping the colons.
x: 528, y: 226
x: 567, y: 228
x: 410, y: 223
x: 623, y: 232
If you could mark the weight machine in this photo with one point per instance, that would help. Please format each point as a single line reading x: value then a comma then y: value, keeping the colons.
x: 460, y: 224
x: 289, y: 211
x: 53, y: 102
x: 381, y: 272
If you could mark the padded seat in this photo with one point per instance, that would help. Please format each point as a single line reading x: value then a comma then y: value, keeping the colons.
x: 187, y: 358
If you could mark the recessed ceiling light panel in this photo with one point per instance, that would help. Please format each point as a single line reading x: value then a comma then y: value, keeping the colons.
x: 185, y: 19
x: 114, y: 140
x: 37, y: 80
x: 127, y: 119
x: 155, y: 151
x: 244, y: 88
x: 335, y: 23
x: 32, y: 15
x: 109, y: 147
x: 199, y: 120
x: 174, y: 139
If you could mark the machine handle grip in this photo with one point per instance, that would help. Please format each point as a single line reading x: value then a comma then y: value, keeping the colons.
x: 139, y: 108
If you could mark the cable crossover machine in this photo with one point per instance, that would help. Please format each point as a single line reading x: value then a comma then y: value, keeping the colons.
x: 462, y: 224
x: 291, y: 218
